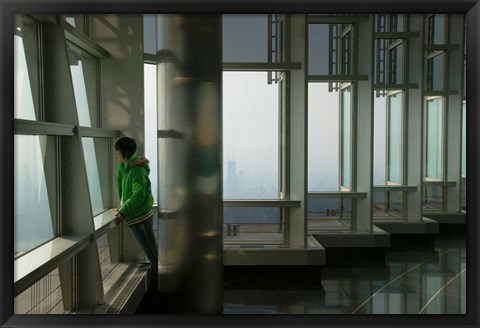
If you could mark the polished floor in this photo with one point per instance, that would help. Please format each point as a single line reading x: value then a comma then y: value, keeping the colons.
x: 405, y: 281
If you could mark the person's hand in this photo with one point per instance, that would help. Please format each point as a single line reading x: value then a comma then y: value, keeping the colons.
x: 119, y: 217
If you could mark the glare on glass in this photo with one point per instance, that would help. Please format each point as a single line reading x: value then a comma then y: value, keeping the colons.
x: 96, y: 162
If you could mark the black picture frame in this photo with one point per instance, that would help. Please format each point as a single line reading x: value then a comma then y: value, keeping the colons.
x: 10, y: 7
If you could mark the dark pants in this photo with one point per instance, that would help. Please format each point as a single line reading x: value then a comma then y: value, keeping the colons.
x: 145, y: 236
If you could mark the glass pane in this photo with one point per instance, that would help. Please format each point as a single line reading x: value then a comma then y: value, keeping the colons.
x: 253, y: 224
x: 149, y: 34
x: 439, y: 29
x: 26, y: 89
x: 83, y: 67
x: 151, y: 149
x: 329, y: 213
x: 399, y: 55
x: 323, y: 143
x: 346, y: 139
x: 318, y: 49
x: 43, y: 297
x: 388, y: 205
x: 379, y: 141
x: 245, y: 38
x: 34, y: 191
x: 97, y: 156
x: 109, y: 251
x: 250, y: 136
x: 347, y: 54
x: 437, y: 72
x: 433, y: 198
x: 434, y: 145
x: 395, y: 144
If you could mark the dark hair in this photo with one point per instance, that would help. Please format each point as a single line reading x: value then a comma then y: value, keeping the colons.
x: 126, y: 146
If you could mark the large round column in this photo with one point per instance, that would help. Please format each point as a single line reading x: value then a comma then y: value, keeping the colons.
x: 189, y: 79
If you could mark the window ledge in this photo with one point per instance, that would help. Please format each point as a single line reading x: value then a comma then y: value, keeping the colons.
x: 104, y: 222
x: 261, y: 203
x: 32, y: 266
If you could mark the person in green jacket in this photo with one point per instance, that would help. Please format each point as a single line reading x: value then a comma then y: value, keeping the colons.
x: 134, y: 190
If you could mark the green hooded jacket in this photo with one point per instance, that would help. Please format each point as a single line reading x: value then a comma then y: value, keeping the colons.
x: 134, y: 190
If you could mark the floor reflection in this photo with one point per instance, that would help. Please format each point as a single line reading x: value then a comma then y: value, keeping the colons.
x: 411, y: 282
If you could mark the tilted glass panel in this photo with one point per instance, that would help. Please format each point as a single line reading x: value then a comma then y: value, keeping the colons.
x: 434, y: 147
x: 97, y: 157
x: 346, y: 138
x: 43, y: 297
x: 34, y: 191
x: 26, y: 72
x: 253, y: 224
x: 329, y: 213
x: 83, y: 68
x: 245, y: 38
x: 323, y: 141
x: 250, y: 136
x: 347, y: 54
x: 318, y: 49
x: 395, y: 144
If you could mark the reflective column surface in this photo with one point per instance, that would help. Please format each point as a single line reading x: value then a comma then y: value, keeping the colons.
x: 410, y: 282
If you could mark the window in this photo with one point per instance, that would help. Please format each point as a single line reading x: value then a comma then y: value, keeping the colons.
x: 434, y: 138
x: 380, y: 133
x: 395, y: 136
x: 319, y: 49
x: 436, y: 29
x: 436, y: 71
x: 245, y: 38
x: 151, y: 149
x: 323, y: 138
x: 26, y: 70
x: 97, y: 155
x: 346, y: 137
x: 34, y: 191
x: 250, y: 136
x: 83, y: 67
x: 109, y: 251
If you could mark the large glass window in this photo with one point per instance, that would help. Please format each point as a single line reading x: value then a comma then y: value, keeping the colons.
x: 97, y: 158
x: 329, y: 213
x: 245, y: 38
x: 83, y: 68
x: 34, y: 191
x: 250, y: 136
x: 323, y: 141
x: 346, y: 137
x: 434, y: 138
x: 26, y: 71
x: 395, y: 135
